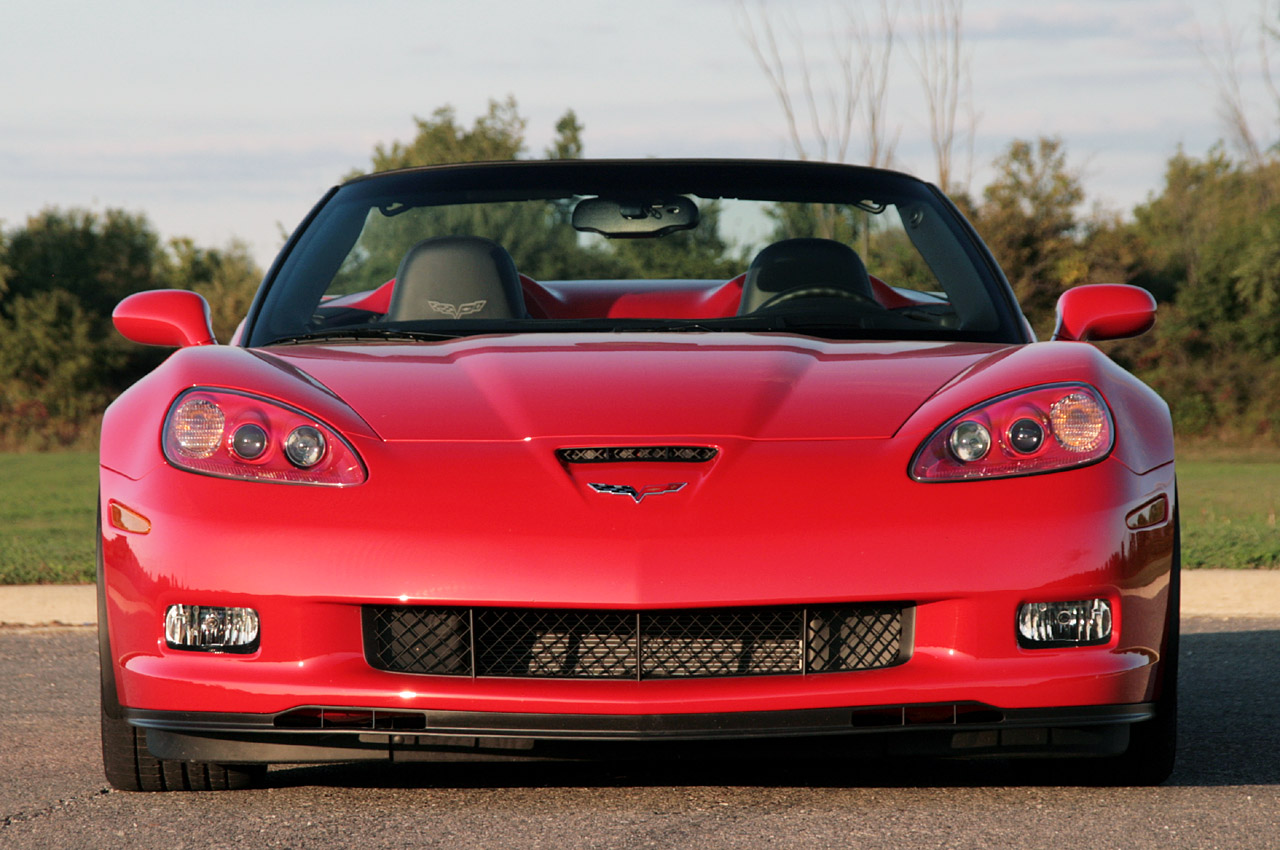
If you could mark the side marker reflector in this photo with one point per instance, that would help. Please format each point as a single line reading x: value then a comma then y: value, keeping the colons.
x: 127, y: 519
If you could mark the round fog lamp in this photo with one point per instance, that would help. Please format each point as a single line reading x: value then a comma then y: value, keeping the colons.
x: 249, y: 442
x: 970, y: 441
x: 305, y: 446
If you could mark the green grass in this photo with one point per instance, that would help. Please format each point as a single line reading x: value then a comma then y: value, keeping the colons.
x: 47, y: 517
x: 1229, y: 509
x: 1229, y: 513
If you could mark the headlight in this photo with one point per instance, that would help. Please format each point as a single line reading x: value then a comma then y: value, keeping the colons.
x: 1043, y: 429
x: 230, y: 434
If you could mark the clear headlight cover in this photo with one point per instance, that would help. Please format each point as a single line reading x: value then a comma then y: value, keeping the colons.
x: 1042, y: 429
x: 230, y: 434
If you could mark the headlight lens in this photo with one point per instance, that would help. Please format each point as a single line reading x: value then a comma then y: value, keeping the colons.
x: 1043, y: 429
x: 969, y: 441
x: 305, y: 446
x: 230, y: 434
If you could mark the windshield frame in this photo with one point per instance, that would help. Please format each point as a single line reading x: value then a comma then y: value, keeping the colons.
x: 325, y: 237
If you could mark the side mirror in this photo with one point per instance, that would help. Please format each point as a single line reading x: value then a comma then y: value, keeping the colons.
x: 1104, y: 311
x: 173, y: 317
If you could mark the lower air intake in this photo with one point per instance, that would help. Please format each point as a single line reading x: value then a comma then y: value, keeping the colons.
x: 575, y: 644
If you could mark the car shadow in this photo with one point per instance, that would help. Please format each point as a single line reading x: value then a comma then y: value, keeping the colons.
x: 1229, y: 719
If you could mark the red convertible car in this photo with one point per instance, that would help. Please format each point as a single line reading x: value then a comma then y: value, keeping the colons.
x: 639, y: 458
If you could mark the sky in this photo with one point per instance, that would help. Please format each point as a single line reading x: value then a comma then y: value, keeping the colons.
x: 229, y: 120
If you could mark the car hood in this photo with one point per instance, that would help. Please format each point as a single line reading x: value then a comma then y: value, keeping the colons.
x: 633, y: 386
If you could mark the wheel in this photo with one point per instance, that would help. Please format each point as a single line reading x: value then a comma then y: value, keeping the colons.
x: 1153, y: 744
x: 126, y: 761
x: 130, y: 767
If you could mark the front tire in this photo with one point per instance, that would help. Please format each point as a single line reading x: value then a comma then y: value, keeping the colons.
x: 1153, y: 744
x: 127, y: 762
x: 131, y: 767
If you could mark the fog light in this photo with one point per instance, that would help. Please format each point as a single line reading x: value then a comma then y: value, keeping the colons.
x: 206, y: 628
x: 1050, y: 624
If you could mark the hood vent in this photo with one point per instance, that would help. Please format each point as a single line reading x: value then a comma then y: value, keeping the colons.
x: 638, y: 454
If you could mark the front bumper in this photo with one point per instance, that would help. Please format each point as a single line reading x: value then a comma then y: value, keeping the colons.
x: 309, y: 560
x: 307, y: 736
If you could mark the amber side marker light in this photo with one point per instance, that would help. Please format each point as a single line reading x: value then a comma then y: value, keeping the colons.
x: 127, y: 519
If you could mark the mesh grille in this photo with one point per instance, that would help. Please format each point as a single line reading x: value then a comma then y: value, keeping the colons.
x: 632, y: 644
x: 642, y: 454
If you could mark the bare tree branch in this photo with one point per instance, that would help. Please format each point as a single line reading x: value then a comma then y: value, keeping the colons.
x: 1224, y: 64
x: 944, y: 73
x: 830, y: 103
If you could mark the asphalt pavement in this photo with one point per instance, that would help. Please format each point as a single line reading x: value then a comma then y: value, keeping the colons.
x: 1224, y: 792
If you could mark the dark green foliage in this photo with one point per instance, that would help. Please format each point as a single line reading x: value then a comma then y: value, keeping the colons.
x: 1207, y: 246
x: 1028, y: 219
x: 61, y: 275
x: 1210, y: 246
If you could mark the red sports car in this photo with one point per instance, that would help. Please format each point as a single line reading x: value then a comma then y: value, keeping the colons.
x: 549, y: 460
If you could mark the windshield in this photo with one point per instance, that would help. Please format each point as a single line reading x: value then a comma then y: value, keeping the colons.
x: 829, y: 251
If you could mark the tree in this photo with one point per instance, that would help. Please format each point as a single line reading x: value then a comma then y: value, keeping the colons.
x: 227, y: 278
x: 1028, y: 219
x: 52, y: 370
x: 498, y: 134
x: 63, y: 273
x: 97, y: 258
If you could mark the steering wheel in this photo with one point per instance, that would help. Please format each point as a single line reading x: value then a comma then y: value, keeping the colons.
x: 817, y: 292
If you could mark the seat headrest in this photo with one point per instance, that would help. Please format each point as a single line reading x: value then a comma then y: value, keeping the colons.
x: 457, y: 277
x: 802, y: 263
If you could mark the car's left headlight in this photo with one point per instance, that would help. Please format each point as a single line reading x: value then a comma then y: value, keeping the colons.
x: 1028, y: 432
x: 230, y: 434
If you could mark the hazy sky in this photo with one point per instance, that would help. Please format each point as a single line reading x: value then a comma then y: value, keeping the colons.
x: 228, y: 120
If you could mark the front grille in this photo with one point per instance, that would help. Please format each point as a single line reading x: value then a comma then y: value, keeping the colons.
x: 638, y: 454
x: 576, y: 644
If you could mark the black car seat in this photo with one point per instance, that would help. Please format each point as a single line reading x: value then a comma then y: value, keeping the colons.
x: 814, y: 268
x: 456, y: 277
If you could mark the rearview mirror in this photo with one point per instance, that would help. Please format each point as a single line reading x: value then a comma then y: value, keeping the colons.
x: 174, y: 317
x: 632, y: 218
x: 1102, y: 311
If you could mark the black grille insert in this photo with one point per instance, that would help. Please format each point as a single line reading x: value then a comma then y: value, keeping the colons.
x: 638, y: 454
x: 579, y: 644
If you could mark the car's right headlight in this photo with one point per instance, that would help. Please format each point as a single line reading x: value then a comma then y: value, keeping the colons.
x: 230, y: 434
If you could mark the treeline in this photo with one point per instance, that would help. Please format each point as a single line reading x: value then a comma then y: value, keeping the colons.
x: 61, y: 274
x: 1207, y: 245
